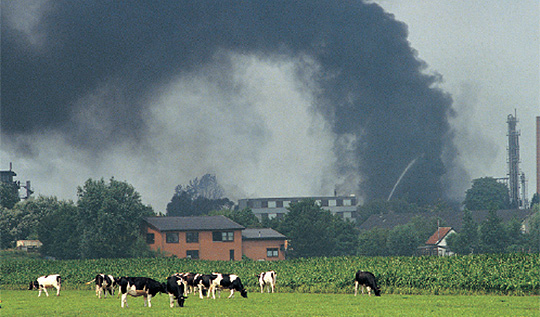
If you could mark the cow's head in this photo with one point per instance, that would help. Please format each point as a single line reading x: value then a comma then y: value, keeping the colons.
x: 33, y: 285
x: 243, y: 292
x: 181, y: 300
x: 377, y: 292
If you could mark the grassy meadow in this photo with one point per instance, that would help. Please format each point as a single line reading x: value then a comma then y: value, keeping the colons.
x: 84, y: 302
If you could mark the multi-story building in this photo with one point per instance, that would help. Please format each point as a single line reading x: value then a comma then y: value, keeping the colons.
x: 212, y: 238
x: 269, y: 208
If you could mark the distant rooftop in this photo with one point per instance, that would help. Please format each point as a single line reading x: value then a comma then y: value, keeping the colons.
x: 262, y: 234
x: 204, y: 223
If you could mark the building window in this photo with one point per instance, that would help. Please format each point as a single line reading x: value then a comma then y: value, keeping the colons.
x: 272, y: 204
x: 279, y: 204
x: 286, y: 203
x: 150, y: 238
x: 192, y: 254
x: 223, y: 236
x: 172, y: 237
x: 272, y: 252
x: 324, y: 203
x: 264, y: 204
x: 332, y: 203
x: 347, y: 202
x: 192, y: 237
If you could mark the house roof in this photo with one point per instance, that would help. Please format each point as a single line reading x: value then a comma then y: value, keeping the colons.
x: 262, y: 234
x: 439, y: 235
x: 205, y: 223
x: 449, y: 219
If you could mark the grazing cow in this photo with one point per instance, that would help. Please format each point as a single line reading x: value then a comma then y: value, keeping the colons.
x: 203, y: 282
x: 175, y: 289
x: 140, y: 286
x: 227, y: 281
x: 43, y: 282
x: 104, y: 283
x: 267, y: 278
x: 189, y: 282
x: 368, y: 280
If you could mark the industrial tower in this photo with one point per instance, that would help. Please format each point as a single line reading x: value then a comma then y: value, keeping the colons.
x: 517, y: 199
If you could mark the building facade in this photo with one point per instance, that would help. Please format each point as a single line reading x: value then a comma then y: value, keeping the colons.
x: 211, y: 238
x: 269, y: 208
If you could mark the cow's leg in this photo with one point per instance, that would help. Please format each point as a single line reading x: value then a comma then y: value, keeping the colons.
x: 57, y: 289
x: 200, y: 293
x: 149, y: 300
x: 368, y: 290
x: 262, y: 288
x: 171, y: 300
x: 232, y: 293
x: 355, y: 288
x: 45, y: 290
x: 123, y: 301
x: 273, y: 285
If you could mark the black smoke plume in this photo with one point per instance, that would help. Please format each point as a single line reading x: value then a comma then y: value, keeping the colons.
x: 373, y: 89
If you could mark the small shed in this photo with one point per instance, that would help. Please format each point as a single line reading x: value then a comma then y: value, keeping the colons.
x: 28, y: 245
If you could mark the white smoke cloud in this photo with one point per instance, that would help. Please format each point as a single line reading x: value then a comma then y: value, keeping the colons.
x: 249, y: 119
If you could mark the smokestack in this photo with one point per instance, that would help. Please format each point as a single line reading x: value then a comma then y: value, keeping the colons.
x: 538, y: 155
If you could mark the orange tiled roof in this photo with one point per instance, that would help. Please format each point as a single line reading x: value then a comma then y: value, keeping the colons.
x: 438, y: 235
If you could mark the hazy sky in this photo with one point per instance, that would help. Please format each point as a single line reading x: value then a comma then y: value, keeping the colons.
x: 275, y: 98
x: 489, y: 55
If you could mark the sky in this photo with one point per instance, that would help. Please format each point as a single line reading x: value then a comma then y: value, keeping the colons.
x: 275, y: 98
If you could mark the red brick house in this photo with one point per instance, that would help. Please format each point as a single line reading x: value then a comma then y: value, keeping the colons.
x: 212, y: 238
x: 263, y: 244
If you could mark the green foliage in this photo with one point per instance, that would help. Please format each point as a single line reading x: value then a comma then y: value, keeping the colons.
x: 9, y: 195
x: 482, y: 274
x: 533, y: 237
x: 198, y: 198
x: 22, y: 221
x: 486, y: 193
x: 491, y: 234
x: 109, y: 216
x: 535, y: 201
x: 58, y: 231
x: 466, y: 241
x: 245, y: 217
x: 373, y: 242
x: 316, y: 232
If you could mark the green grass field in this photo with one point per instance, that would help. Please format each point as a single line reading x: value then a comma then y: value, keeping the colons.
x: 84, y: 302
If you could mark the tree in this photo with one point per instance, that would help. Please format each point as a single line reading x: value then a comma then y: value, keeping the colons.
x: 533, y: 237
x: 373, y: 242
x: 491, y: 234
x: 58, y: 231
x: 109, y: 219
x: 466, y: 241
x: 9, y: 195
x: 21, y: 222
x: 316, y: 232
x: 198, y: 198
x: 402, y: 240
x: 535, y: 200
x: 486, y: 193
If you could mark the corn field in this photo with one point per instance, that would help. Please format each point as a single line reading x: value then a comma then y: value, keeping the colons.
x: 516, y: 274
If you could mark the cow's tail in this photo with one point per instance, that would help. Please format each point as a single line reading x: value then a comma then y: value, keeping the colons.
x: 92, y: 281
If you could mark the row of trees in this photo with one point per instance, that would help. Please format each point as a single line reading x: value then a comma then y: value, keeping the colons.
x: 104, y: 223
x: 493, y: 236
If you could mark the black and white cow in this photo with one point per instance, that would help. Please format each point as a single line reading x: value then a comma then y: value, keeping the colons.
x: 189, y: 282
x: 140, y: 286
x: 267, y: 279
x: 368, y: 280
x: 227, y: 281
x: 203, y: 282
x: 176, y: 290
x: 45, y: 281
x: 104, y: 283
